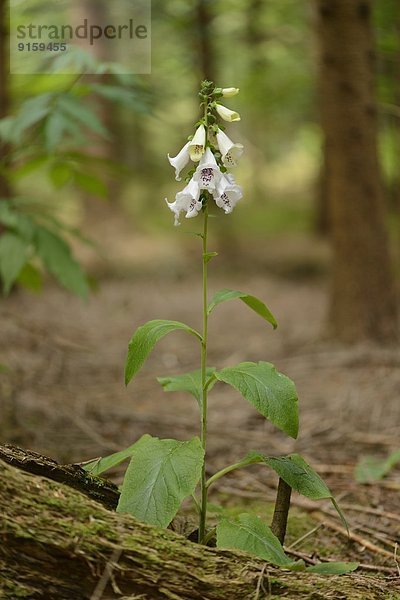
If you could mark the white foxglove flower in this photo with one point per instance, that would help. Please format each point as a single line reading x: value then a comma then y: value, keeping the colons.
x: 228, y: 92
x: 198, y: 144
x: 180, y: 161
x: 207, y: 173
x: 227, y: 114
x: 227, y: 194
x: 230, y: 151
x: 187, y: 200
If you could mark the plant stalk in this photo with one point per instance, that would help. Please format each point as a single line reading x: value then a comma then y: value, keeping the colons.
x: 203, y: 435
x: 203, y: 486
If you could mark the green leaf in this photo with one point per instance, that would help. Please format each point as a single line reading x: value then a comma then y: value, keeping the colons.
x: 13, y: 256
x: 252, y: 302
x: 161, y: 474
x: 31, y: 112
x: 7, y: 126
x: 54, y: 129
x: 121, y: 95
x: 91, y: 184
x: 333, y: 568
x: 20, y: 224
x: 299, y: 475
x: 97, y: 466
x: 209, y: 255
x: 56, y: 255
x: 303, y: 479
x: 29, y: 166
x: 250, y: 534
x: 372, y: 468
x: 145, y: 338
x: 188, y: 382
x: 271, y: 393
x: 60, y: 174
x: 30, y: 278
x: 76, y: 110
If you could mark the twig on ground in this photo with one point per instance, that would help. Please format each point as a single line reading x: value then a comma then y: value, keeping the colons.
x: 106, y: 576
x: 319, y: 516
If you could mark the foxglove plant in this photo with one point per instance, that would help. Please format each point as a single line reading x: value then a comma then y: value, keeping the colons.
x: 163, y: 472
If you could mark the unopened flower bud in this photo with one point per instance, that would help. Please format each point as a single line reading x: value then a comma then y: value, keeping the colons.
x: 228, y: 92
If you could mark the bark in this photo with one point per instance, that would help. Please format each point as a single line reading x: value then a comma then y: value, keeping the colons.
x: 363, y: 305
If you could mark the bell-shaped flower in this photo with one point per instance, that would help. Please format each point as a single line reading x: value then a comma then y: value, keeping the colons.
x: 227, y: 193
x: 230, y: 151
x: 180, y: 161
x: 207, y: 173
x: 227, y: 114
x: 228, y: 92
x: 187, y: 200
x: 198, y: 144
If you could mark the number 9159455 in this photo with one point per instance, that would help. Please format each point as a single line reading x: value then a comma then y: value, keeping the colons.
x: 41, y: 47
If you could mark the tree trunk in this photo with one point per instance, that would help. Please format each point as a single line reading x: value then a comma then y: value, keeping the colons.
x: 363, y: 305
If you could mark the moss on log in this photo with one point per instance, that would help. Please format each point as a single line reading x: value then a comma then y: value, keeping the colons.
x: 57, y: 544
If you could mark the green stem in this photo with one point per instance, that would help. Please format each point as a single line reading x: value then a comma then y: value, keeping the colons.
x: 203, y: 503
x: 203, y: 437
x: 238, y: 465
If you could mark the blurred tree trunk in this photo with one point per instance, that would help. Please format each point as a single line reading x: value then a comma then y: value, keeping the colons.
x: 321, y: 218
x: 205, y: 51
x: 5, y: 191
x: 363, y: 304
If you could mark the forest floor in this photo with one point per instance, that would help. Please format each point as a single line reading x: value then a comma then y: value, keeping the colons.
x: 63, y: 394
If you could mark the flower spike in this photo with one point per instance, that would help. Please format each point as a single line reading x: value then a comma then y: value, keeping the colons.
x: 214, y: 152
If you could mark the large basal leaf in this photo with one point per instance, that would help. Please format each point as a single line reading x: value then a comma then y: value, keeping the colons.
x: 97, y: 466
x: 56, y: 255
x: 250, y: 534
x: 301, y: 477
x: 252, y: 302
x: 13, y: 256
x: 271, y: 393
x: 145, y: 338
x: 333, y: 568
x: 187, y: 382
x: 161, y: 474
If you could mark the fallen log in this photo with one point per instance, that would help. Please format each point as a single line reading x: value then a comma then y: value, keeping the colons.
x: 74, y: 476
x: 58, y: 544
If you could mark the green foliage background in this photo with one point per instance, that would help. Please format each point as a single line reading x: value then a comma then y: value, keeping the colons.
x: 57, y: 123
